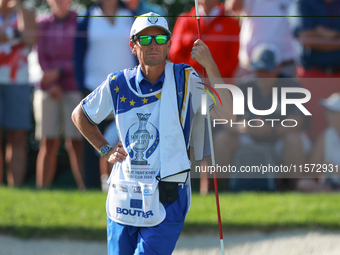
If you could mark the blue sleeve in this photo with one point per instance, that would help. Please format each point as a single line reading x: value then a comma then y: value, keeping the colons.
x: 301, y: 16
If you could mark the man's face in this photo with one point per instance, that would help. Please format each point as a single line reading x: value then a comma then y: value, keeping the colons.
x: 153, y: 54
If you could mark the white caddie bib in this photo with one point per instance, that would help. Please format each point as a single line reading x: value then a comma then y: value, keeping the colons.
x: 133, y: 197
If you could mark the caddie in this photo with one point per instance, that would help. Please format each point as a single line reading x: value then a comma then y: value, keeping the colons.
x: 154, y: 106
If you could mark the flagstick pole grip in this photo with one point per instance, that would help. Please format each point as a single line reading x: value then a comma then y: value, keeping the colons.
x: 198, y: 20
x: 199, y: 31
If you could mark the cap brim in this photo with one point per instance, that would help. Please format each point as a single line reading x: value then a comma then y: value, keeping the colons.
x: 157, y: 26
x: 262, y: 66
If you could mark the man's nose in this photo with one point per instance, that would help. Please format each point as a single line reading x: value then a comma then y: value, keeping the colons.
x: 153, y: 42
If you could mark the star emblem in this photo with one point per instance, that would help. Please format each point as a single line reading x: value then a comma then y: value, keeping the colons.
x: 112, y: 78
x: 132, y: 103
x: 116, y: 89
x: 122, y: 99
x: 145, y: 101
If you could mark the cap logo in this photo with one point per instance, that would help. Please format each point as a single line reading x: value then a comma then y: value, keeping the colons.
x: 153, y: 19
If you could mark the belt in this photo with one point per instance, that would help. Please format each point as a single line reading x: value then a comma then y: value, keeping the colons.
x: 328, y: 69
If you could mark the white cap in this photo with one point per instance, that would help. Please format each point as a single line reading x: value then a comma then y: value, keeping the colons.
x: 332, y: 102
x: 146, y: 20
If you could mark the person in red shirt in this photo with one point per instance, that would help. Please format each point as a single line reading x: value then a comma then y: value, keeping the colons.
x: 220, y: 33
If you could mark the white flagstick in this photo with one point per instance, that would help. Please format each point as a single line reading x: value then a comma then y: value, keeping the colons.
x: 215, y: 178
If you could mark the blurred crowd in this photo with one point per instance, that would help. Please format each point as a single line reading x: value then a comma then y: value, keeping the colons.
x: 260, y: 46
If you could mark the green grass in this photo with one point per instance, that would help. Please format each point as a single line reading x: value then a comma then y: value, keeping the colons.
x: 69, y: 213
x: 26, y: 213
x: 266, y: 212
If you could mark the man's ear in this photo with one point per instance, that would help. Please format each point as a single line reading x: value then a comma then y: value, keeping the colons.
x: 169, y: 46
x: 132, y: 47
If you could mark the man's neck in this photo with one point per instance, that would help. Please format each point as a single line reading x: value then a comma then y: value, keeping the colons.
x: 153, y: 73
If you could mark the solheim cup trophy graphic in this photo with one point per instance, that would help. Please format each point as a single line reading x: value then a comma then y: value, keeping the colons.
x: 141, y: 139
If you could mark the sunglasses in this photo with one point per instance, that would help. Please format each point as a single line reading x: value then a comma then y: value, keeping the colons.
x: 147, y: 39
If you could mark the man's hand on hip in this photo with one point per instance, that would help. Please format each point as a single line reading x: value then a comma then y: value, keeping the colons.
x: 117, y: 154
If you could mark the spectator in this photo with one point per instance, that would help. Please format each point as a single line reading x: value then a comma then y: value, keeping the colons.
x: 289, y: 144
x: 57, y: 94
x: 256, y: 29
x: 95, y: 58
x: 317, y: 26
x: 326, y: 151
x: 17, y: 35
x: 139, y: 7
x: 219, y: 32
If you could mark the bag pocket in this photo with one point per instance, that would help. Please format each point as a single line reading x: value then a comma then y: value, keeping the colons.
x: 168, y: 191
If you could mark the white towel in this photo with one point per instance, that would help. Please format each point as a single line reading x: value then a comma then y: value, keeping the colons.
x: 197, y: 135
x: 173, y: 152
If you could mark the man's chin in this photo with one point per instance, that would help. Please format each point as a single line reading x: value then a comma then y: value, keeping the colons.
x: 153, y: 62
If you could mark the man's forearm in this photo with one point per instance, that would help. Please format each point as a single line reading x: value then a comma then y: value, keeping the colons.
x: 201, y: 53
x: 224, y: 111
x: 88, y: 130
